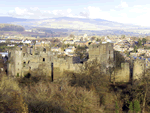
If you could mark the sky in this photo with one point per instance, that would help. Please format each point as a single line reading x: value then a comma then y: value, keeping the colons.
x: 123, y: 11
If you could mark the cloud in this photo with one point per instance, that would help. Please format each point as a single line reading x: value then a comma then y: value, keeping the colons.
x: 112, y: 10
x: 137, y: 14
x: 139, y: 9
x: 36, y: 13
x: 69, y: 10
x: 94, y: 12
x: 122, y: 5
x: 84, y: 14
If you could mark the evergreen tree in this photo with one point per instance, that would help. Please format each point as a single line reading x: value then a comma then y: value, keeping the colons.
x: 131, y: 107
x: 135, y: 48
x: 139, y: 42
x: 117, y: 108
x: 144, y: 40
x: 137, y: 108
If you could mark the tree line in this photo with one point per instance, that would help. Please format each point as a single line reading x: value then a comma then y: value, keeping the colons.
x: 10, y: 27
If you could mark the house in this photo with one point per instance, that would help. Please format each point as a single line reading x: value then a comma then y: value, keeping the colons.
x: 2, y: 41
x: 82, y: 43
x: 70, y: 49
x: 147, y: 45
x: 17, y: 41
x: 26, y: 41
x: 141, y: 50
x: 148, y: 42
x: 4, y: 54
x: 38, y: 44
x: 68, y: 42
x: 45, y: 43
x: 55, y: 49
x: 10, y: 45
x: 130, y: 49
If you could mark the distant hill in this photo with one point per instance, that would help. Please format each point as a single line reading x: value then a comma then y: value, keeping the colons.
x: 11, y: 19
x: 77, y: 25
x: 10, y: 27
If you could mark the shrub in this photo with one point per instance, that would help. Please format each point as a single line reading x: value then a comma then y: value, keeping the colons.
x: 45, y: 98
x: 11, y: 98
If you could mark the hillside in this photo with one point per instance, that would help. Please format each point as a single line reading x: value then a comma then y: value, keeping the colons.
x: 76, y: 23
x: 10, y: 27
x: 78, y: 26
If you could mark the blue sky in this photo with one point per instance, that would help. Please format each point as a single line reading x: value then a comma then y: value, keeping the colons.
x: 123, y: 11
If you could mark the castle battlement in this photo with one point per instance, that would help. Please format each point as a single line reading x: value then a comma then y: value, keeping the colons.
x: 25, y: 59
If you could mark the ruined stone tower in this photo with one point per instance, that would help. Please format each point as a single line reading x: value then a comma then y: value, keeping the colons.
x: 23, y: 60
x: 103, y: 52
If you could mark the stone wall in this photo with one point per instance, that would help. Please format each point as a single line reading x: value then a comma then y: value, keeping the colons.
x: 138, y: 69
x: 67, y: 63
x: 121, y: 74
x: 22, y: 61
x: 103, y: 52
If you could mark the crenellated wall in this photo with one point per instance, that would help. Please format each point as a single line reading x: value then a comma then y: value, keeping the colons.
x: 22, y: 61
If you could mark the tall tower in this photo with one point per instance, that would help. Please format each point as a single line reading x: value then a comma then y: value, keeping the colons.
x: 103, y: 52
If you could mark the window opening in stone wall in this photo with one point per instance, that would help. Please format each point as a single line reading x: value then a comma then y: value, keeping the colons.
x: 44, y: 50
x: 43, y: 59
x: 23, y: 54
x: 17, y: 74
x: 29, y: 67
x: 109, y: 60
x: 24, y: 63
x: 28, y: 61
x: 10, y: 54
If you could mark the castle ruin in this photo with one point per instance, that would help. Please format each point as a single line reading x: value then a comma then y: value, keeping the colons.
x: 23, y: 60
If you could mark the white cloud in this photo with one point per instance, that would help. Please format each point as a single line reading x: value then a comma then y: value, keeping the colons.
x: 34, y: 8
x: 122, y: 5
x: 139, y: 9
x: 84, y: 14
x: 69, y: 10
x: 94, y: 12
x: 112, y: 10
x: 123, y: 14
x: 138, y: 14
x: 35, y: 12
x: 22, y: 11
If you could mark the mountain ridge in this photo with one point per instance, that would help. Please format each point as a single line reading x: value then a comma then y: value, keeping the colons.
x: 78, y: 24
x: 70, y: 22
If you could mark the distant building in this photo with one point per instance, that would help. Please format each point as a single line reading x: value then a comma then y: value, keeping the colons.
x: 70, y: 49
x: 82, y: 43
x: 55, y: 49
x: 26, y: 41
x: 4, y: 54
x: 2, y: 41
x: 69, y: 42
x: 10, y: 45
